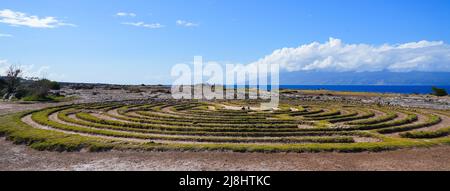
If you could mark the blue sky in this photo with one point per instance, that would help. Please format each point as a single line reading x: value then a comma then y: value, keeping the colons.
x: 91, y: 42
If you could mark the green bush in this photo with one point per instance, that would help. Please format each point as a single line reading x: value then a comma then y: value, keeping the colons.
x: 439, y: 91
x: 432, y: 120
x: 38, y: 90
x: 427, y: 134
x: 363, y: 116
x: 389, y: 116
x: 54, y: 85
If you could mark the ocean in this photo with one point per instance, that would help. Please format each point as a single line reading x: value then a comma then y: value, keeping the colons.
x: 371, y: 88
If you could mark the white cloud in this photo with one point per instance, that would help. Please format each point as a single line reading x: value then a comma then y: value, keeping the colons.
x: 14, y: 18
x: 186, y: 23
x: 145, y: 25
x: 29, y: 71
x: 3, y: 67
x: 3, y: 62
x: 335, y: 55
x: 124, y: 14
x: 5, y: 35
x: 32, y: 71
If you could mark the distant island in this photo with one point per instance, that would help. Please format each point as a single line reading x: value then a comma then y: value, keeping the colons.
x: 365, y: 78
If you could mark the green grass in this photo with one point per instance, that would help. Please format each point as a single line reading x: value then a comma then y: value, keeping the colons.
x: 20, y: 133
x: 42, y: 118
x: 431, y: 120
x: 188, y: 133
x: 387, y: 117
x: 63, y: 116
x: 427, y: 134
x: 352, y: 118
x: 410, y: 118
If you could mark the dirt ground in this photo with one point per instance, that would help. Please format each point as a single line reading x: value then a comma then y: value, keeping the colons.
x: 6, y: 107
x: 19, y: 157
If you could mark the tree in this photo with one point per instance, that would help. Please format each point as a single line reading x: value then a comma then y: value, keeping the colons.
x: 55, y: 85
x: 12, y: 79
x: 34, y: 88
x: 439, y: 91
x: 41, y: 88
x: 2, y: 83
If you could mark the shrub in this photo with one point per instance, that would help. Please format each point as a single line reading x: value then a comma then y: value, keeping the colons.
x: 426, y: 134
x: 432, y: 120
x: 54, y: 85
x: 38, y: 90
x: 439, y: 91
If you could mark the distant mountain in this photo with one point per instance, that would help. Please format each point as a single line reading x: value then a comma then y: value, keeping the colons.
x: 365, y: 78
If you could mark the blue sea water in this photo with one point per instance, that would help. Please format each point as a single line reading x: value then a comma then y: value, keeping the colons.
x: 371, y: 88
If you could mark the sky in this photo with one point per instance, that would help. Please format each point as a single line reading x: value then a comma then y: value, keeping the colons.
x: 138, y: 41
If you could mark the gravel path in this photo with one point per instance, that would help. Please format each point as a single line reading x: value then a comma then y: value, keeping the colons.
x: 8, y: 107
x: 27, y: 119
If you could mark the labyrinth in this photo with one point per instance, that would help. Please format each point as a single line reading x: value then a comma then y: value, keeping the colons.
x: 228, y: 126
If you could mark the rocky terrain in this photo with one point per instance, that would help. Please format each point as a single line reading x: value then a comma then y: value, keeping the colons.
x: 403, y: 100
x: 105, y: 92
